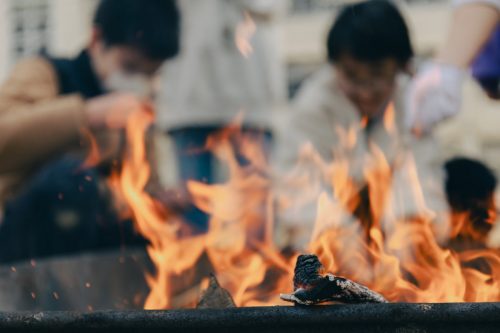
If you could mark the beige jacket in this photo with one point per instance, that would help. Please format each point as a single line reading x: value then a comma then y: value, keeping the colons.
x: 36, y: 124
x: 322, y: 115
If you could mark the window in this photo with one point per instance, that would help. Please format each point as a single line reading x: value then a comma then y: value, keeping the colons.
x: 29, y: 27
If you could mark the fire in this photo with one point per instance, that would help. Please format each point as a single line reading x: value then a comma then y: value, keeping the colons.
x: 243, y: 35
x: 357, y: 233
x: 237, y: 247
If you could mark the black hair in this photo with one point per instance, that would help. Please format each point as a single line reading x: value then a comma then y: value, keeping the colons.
x: 151, y: 26
x: 468, y: 182
x: 370, y: 31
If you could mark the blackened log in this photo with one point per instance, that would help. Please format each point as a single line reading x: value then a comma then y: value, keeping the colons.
x: 312, y: 287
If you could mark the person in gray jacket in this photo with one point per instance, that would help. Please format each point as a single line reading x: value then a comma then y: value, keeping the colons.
x: 230, y: 63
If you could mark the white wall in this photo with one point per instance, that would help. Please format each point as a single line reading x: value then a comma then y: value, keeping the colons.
x: 4, y: 39
x: 305, y: 35
x: 71, y: 22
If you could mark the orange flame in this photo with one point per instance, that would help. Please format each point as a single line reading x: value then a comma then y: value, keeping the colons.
x: 356, y: 234
x: 94, y: 156
x: 237, y: 247
x: 389, y: 118
x: 244, y: 33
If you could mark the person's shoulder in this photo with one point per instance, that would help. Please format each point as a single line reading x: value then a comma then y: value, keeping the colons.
x: 34, y: 76
x: 316, y: 90
x: 323, y: 78
x: 403, y: 83
x: 320, y: 95
x: 34, y: 66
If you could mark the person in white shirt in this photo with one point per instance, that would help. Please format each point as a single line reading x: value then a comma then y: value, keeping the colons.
x: 360, y: 93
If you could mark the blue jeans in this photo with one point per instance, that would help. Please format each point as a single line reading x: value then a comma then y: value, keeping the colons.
x: 63, y: 209
x: 196, y: 163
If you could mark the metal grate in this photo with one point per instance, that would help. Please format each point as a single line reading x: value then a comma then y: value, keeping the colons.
x: 391, y: 317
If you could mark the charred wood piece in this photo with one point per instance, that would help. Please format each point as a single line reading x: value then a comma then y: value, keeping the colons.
x: 215, y: 297
x: 312, y: 286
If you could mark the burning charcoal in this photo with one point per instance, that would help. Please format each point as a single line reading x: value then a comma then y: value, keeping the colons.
x: 311, y: 287
x: 308, y: 271
x: 215, y: 297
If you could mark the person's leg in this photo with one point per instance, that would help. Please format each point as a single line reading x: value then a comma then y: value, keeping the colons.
x: 62, y: 209
x: 194, y: 162
x: 261, y: 141
x: 262, y: 137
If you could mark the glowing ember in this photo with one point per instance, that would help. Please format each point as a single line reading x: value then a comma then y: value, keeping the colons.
x: 397, y: 257
x: 94, y: 155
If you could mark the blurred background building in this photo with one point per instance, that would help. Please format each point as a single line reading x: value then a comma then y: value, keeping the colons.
x: 60, y: 27
x: 28, y: 27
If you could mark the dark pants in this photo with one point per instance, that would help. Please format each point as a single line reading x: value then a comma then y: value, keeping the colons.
x: 194, y: 162
x: 63, y: 209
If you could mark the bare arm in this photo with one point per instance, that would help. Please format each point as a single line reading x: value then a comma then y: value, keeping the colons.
x: 36, y: 124
x: 436, y: 92
x: 471, y: 26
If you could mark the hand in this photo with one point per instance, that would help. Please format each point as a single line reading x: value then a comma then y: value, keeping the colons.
x: 435, y: 94
x: 113, y: 110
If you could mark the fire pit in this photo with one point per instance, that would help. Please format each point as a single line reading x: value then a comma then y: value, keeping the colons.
x: 456, y: 317
x: 397, y: 273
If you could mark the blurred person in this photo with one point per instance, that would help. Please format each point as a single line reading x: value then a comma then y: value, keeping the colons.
x: 470, y: 191
x: 473, y: 41
x: 230, y: 63
x: 361, y: 89
x: 48, y: 109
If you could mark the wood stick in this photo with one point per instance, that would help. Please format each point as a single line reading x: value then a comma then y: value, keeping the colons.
x: 215, y: 297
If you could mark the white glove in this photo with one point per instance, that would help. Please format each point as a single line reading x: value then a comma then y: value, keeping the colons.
x: 434, y: 95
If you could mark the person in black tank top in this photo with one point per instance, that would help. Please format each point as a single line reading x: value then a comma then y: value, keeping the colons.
x: 64, y: 208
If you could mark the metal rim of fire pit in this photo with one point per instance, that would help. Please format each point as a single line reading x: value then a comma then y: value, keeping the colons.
x: 393, y: 317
